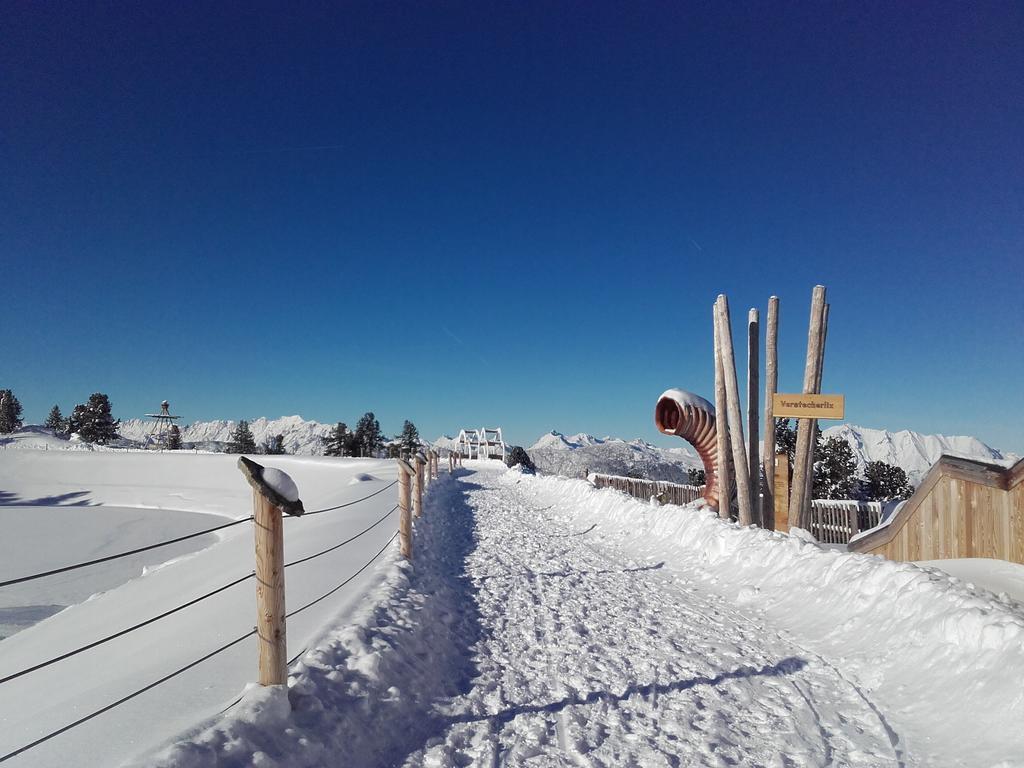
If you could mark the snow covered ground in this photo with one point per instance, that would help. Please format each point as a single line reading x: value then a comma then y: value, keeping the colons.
x: 542, y: 622
x: 545, y: 622
x: 67, y: 506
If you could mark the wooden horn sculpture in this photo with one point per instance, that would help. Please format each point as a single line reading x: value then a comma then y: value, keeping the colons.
x: 692, y: 418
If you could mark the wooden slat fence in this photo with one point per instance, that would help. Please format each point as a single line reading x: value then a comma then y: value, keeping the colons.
x: 667, y: 493
x: 835, y: 521
x: 832, y: 521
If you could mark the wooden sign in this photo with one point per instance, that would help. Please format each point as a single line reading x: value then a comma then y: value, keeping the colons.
x: 808, y: 406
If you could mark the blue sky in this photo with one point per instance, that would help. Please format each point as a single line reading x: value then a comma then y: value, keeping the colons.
x: 511, y: 214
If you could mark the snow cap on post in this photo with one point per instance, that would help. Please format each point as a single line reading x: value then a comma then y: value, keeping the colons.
x: 275, y: 485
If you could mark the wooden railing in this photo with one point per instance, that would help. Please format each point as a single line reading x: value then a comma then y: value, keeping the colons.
x: 666, y: 493
x: 836, y: 521
x: 832, y: 521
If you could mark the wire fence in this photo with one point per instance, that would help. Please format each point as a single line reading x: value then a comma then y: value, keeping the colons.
x: 181, y: 607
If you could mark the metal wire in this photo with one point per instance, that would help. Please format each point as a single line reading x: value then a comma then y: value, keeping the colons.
x: 342, y: 544
x: 123, y: 699
x: 123, y: 632
x: 350, y: 503
x: 108, y: 558
x: 346, y: 581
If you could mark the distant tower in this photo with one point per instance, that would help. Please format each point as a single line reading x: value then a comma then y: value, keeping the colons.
x: 161, y: 425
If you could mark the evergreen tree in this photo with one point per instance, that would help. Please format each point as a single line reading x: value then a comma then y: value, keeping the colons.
x: 242, y: 440
x: 409, y: 440
x: 273, y: 446
x: 368, y: 437
x: 696, y: 476
x: 834, y: 470
x: 10, y: 412
x: 174, y: 438
x: 93, y: 420
x: 56, y: 421
x: 785, y: 439
x: 883, y: 481
x: 338, y: 441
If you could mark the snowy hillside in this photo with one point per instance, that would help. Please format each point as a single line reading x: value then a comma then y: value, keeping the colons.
x: 912, y: 451
x: 300, y: 436
x: 557, y: 454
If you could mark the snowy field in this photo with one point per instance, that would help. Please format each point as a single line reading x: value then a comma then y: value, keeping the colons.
x: 542, y: 622
x: 61, y: 507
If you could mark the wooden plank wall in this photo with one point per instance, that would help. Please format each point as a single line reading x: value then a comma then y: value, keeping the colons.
x: 962, y: 509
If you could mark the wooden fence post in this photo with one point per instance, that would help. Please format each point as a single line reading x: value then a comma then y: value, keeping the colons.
x: 739, y: 451
x: 771, y: 382
x: 405, y: 473
x: 722, y: 429
x: 799, y: 509
x: 754, y: 411
x: 417, y: 501
x: 268, y: 503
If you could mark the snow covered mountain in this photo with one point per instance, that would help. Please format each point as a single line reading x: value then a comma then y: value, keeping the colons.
x: 300, y: 436
x: 912, y: 451
x: 555, y: 453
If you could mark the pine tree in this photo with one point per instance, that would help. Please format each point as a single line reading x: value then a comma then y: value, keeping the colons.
x: 409, y: 440
x: 273, y: 446
x: 338, y: 440
x: 93, y: 420
x: 785, y: 439
x: 696, y: 476
x: 369, y: 438
x: 834, y: 470
x: 242, y: 440
x: 174, y: 438
x: 883, y: 481
x: 10, y: 412
x: 56, y: 421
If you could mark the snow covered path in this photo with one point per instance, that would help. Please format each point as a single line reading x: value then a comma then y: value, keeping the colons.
x: 587, y: 656
x: 543, y: 622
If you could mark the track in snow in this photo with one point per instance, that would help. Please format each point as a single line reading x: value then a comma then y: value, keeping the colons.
x: 584, y: 656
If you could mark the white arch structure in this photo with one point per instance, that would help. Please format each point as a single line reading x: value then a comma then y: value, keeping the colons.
x: 484, y: 443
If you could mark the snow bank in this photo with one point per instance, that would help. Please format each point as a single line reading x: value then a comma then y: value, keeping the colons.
x: 945, y: 655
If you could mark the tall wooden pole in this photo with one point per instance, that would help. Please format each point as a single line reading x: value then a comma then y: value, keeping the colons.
x: 818, y: 373
x: 771, y: 383
x: 753, y: 410
x: 405, y: 473
x: 804, y: 434
x: 270, y: 610
x: 417, y: 500
x: 732, y: 394
x: 721, y: 427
